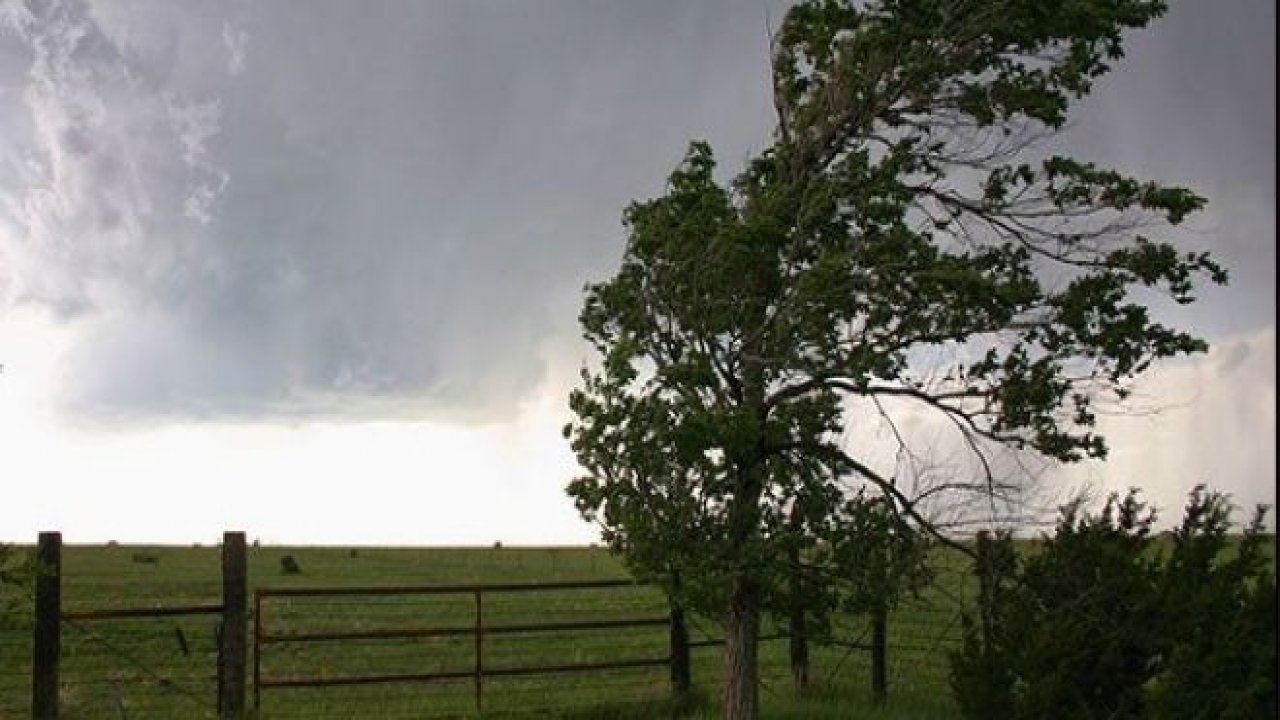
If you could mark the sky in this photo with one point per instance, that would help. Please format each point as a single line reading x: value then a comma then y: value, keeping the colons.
x: 311, y: 268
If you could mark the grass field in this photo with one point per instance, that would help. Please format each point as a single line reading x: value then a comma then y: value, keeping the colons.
x: 164, y: 667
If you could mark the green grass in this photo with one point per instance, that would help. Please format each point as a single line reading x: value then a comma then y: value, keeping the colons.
x: 164, y: 668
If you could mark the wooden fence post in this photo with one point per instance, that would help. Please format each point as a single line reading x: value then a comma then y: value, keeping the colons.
x: 987, y: 583
x: 799, y: 651
x: 798, y: 627
x: 232, y: 639
x: 48, y: 631
x: 879, y: 648
x: 680, y: 673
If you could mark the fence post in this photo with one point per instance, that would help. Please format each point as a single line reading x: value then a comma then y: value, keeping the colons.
x: 879, y: 648
x: 987, y: 585
x: 799, y: 650
x: 48, y: 632
x: 799, y: 642
x: 681, y: 676
x: 232, y: 639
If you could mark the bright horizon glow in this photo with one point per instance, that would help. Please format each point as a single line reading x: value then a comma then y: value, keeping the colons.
x: 416, y: 483
x: 384, y: 482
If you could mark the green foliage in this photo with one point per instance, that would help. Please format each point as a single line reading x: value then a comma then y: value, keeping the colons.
x: 1220, y: 598
x: 870, y: 558
x: 1103, y: 622
x: 982, y: 673
x: 890, y: 220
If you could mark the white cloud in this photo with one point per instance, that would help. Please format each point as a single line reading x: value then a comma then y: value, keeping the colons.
x: 1209, y: 419
x: 195, y: 124
x: 96, y: 205
x: 236, y: 41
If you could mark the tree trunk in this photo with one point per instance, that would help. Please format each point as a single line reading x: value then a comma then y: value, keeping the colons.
x: 879, y: 652
x: 742, y: 619
x: 742, y: 632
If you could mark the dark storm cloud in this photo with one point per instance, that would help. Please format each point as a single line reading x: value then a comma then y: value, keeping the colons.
x: 366, y: 209
x: 1194, y: 103
x: 395, y: 204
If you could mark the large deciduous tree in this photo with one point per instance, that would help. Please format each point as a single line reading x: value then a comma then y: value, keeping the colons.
x: 906, y: 211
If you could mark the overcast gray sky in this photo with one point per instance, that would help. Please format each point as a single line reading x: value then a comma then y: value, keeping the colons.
x: 236, y: 236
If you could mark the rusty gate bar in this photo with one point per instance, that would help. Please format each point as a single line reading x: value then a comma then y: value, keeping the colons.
x: 577, y: 667
x: 367, y: 679
x: 142, y: 612
x: 431, y: 632
x: 463, y: 674
x: 440, y: 589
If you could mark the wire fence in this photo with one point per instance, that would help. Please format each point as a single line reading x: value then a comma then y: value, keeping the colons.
x: 128, y: 668
x: 140, y: 668
x: 165, y: 667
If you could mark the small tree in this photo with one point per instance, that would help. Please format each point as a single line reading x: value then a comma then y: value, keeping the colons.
x: 898, y: 241
x: 1076, y: 630
x: 1219, y: 599
x: 1100, y: 620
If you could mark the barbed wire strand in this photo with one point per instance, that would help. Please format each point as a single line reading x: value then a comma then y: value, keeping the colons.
x: 143, y: 668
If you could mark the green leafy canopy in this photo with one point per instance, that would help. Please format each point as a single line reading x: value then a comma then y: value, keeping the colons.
x: 901, y: 208
x: 1105, y: 619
